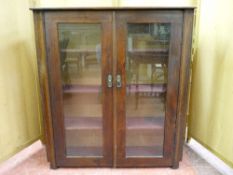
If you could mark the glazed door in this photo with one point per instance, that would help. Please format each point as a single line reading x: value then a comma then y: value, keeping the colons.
x: 79, y: 46
x: 148, y: 62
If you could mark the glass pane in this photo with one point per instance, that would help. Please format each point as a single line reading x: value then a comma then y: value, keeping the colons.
x: 146, y: 84
x: 80, y: 58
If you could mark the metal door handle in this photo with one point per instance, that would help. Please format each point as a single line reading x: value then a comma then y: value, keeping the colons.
x: 109, y: 81
x: 118, y: 81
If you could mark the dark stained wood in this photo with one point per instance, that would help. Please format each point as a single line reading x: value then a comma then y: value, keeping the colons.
x: 80, y: 17
x: 176, y: 20
x: 44, y: 87
x: 51, y: 21
x: 107, y: 64
x: 114, y: 36
x: 173, y: 84
x: 183, y: 87
x: 121, y: 32
x: 114, y: 72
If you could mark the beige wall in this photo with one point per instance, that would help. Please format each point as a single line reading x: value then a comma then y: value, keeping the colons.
x: 211, y: 109
x: 19, y: 110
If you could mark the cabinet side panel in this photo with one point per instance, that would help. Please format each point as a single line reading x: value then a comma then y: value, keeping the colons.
x: 183, y: 86
x: 44, y: 87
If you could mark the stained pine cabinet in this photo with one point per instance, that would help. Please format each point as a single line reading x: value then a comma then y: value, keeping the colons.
x: 114, y: 85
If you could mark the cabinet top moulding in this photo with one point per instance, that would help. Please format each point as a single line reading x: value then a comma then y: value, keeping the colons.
x: 112, y: 8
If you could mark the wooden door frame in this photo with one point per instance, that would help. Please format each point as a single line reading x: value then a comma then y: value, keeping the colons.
x: 52, y: 18
x: 175, y: 17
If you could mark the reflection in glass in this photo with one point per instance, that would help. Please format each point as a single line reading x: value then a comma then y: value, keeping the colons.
x: 146, y: 69
x: 80, y: 60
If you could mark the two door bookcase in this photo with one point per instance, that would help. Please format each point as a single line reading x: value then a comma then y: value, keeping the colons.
x: 114, y: 84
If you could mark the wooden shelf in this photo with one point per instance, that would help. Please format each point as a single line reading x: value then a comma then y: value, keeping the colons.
x: 144, y: 151
x: 133, y: 151
x: 132, y: 123
x: 159, y: 88
x: 81, y: 89
x: 149, y: 55
x: 145, y: 123
x: 84, y: 151
x: 149, y: 50
x: 79, y: 51
x: 83, y: 123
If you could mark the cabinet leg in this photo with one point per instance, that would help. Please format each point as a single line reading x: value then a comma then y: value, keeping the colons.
x: 175, y: 165
x: 53, y: 166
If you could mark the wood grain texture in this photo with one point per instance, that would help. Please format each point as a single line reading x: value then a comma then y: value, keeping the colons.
x: 183, y: 87
x: 44, y: 86
x: 114, y: 73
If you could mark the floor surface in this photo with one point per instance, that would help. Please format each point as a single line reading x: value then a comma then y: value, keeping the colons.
x: 35, y: 163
